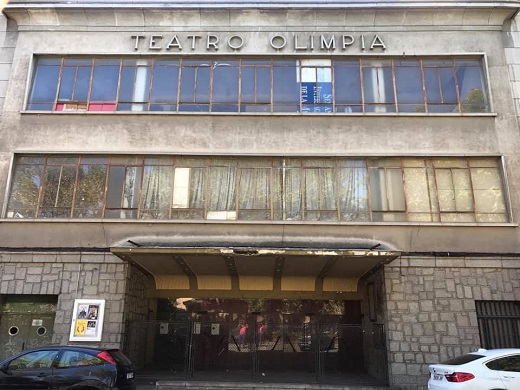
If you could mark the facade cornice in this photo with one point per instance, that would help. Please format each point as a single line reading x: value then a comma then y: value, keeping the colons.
x: 263, y: 4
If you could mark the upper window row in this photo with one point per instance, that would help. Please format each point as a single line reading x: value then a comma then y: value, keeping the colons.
x: 464, y: 190
x: 259, y: 85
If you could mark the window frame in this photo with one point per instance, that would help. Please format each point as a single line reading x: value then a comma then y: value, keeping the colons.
x: 365, y: 108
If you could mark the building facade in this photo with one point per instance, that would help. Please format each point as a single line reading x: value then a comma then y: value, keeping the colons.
x: 254, y: 187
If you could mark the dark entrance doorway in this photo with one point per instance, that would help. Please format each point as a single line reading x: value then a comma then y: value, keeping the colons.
x: 250, y: 339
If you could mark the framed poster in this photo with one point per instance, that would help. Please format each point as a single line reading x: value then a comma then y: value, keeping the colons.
x: 87, y: 320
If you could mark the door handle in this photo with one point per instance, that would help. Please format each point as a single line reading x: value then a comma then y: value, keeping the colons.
x: 42, y: 375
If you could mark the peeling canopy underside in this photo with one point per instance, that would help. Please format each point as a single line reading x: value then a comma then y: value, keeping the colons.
x: 246, y: 272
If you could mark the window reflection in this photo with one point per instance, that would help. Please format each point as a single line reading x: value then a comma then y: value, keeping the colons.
x: 465, y: 190
x: 259, y: 85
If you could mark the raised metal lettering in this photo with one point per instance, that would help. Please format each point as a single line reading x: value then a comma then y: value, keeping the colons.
x: 278, y: 38
x: 153, y: 42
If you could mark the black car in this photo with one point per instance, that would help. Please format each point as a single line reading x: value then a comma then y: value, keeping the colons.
x: 67, y: 367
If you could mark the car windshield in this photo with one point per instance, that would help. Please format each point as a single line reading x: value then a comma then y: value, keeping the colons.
x: 462, y: 359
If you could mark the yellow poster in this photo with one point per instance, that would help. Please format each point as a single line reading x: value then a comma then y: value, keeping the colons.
x: 81, y: 328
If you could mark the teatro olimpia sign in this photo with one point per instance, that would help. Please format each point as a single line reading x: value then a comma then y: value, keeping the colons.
x: 296, y: 42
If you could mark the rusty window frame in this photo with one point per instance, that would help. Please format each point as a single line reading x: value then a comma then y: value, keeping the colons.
x: 139, y: 163
x: 450, y: 65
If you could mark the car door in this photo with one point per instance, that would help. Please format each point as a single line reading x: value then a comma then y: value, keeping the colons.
x: 30, y: 371
x: 81, y: 367
x: 508, y: 368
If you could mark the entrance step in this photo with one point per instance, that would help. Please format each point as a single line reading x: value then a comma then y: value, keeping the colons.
x: 199, y: 385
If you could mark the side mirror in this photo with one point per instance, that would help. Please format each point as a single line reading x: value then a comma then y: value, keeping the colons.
x: 5, y: 369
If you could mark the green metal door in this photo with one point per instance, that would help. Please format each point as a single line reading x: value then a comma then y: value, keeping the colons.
x: 25, y: 324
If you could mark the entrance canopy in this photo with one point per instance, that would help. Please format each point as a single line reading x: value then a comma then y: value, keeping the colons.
x: 249, y: 272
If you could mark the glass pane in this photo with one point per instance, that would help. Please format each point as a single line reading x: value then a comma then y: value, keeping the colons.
x: 378, y: 85
x: 58, y: 186
x: 45, y: 83
x: 104, y: 82
x: 91, y: 186
x: 126, y: 88
x: 67, y: 82
x: 347, y: 83
x: 471, y: 89
x: 116, y: 179
x: 25, y: 188
x: 285, y: 86
x: 165, y: 82
x: 195, y: 84
x: 378, y: 189
x: 221, y: 188
x: 82, y: 84
x: 417, y: 192
x: 409, y: 85
x: 447, y: 79
x: 353, y: 193
x: 225, y: 82
x: 156, y: 193
x: 132, y: 184
x: 254, y: 189
x: 395, y: 190
x: 287, y: 194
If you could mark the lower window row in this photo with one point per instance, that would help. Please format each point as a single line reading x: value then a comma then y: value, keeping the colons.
x: 462, y: 190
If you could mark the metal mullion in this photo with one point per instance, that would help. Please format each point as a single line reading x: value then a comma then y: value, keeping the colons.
x: 205, y: 190
x: 59, y: 186
x: 179, y: 79
x: 394, y: 85
x: 75, y: 187
x: 239, y: 86
x: 299, y: 61
x: 271, y: 187
x: 195, y: 82
x: 172, y: 184
x: 439, y: 83
x: 403, y: 183
x: 119, y: 83
x: 333, y: 83
x: 369, y: 189
x: 457, y: 92
x: 423, y: 85
x: 386, y: 189
x: 237, y: 187
x: 141, y: 187
x: 336, y: 176
x: 74, y: 84
x: 303, y: 188
x: 93, y: 66
x: 212, y: 68
x: 472, y: 192
x: 151, y: 70
x: 107, y: 178
x: 272, y: 85
x: 436, y: 189
x: 60, y: 75
x: 40, y: 190
x: 362, y: 81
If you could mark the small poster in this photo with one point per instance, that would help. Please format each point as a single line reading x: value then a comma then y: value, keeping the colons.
x: 87, y: 320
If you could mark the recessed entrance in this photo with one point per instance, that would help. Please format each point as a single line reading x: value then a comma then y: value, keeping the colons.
x: 259, y: 339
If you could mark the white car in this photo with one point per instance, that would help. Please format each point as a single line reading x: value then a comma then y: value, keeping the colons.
x: 493, y: 369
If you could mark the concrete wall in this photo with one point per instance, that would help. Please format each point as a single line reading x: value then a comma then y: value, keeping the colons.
x: 431, y: 314
x: 109, y: 32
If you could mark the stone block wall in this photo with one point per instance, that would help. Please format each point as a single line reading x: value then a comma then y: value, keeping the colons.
x: 431, y: 313
x: 77, y: 276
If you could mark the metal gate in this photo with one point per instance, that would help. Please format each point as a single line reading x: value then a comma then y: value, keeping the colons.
x: 247, y: 351
x: 499, y: 323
